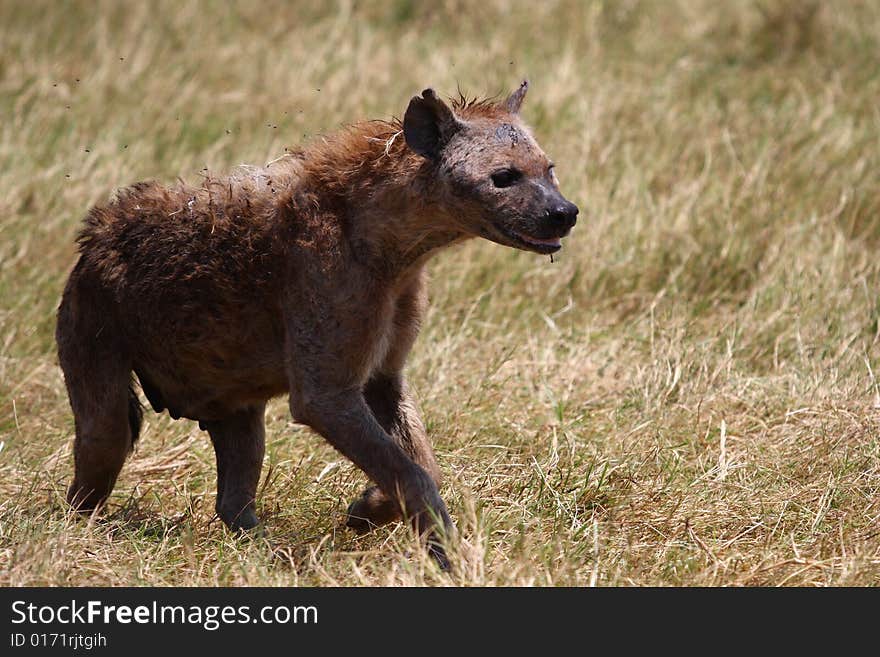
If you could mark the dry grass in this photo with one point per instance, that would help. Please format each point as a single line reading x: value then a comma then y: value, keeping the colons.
x: 687, y: 397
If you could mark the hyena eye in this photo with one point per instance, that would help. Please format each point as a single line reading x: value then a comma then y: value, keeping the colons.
x: 506, y: 177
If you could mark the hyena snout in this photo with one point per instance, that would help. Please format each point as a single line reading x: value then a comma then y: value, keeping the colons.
x: 542, y: 227
x: 562, y: 215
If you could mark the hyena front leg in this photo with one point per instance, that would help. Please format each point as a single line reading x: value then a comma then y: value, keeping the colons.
x: 346, y: 421
x: 324, y: 395
x: 394, y: 407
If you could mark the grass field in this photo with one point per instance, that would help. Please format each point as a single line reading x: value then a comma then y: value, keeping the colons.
x: 687, y: 396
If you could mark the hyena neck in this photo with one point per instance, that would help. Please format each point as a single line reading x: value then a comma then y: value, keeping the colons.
x: 392, y: 214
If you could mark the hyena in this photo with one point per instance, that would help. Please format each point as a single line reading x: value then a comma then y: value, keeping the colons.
x: 305, y: 277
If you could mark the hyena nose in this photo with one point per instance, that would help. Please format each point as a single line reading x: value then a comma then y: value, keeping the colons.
x: 564, y: 214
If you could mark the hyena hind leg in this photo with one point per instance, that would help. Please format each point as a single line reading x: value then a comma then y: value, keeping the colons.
x: 239, y: 445
x: 107, y: 413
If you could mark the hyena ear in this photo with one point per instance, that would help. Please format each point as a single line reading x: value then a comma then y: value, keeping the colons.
x: 429, y: 124
x: 515, y: 100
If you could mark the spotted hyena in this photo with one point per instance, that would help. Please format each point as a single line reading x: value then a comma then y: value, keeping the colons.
x: 306, y: 278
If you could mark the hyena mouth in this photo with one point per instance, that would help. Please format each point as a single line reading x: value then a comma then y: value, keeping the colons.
x: 554, y: 243
x: 544, y: 245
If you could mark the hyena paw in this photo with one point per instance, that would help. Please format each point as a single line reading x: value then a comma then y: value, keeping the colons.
x: 239, y: 520
x: 371, y: 510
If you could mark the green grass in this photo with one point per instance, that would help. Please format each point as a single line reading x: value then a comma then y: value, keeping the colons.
x: 688, y: 396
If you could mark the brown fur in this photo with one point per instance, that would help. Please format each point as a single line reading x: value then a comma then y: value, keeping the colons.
x: 304, y: 277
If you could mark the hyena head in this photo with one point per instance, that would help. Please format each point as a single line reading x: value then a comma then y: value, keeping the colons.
x: 494, y: 179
